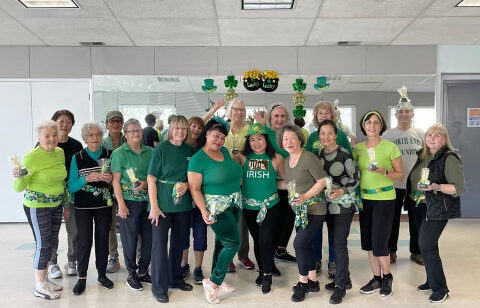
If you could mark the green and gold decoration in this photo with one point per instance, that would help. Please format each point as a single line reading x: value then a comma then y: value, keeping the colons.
x: 209, y: 86
x: 299, y: 98
x: 270, y: 80
x: 252, y: 80
x: 230, y: 83
x: 321, y: 84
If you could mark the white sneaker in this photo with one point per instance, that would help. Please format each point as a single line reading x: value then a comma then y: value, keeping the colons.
x: 54, y: 272
x: 52, y: 285
x: 41, y: 290
x: 226, y: 287
x: 71, y: 268
x: 211, y: 293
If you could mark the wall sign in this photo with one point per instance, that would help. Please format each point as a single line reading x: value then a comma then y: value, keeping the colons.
x: 473, y: 117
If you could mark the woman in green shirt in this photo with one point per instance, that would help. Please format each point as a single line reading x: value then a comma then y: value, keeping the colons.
x: 214, y: 179
x: 44, y: 186
x: 129, y: 171
x: 380, y: 164
x: 171, y: 207
x: 261, y: 164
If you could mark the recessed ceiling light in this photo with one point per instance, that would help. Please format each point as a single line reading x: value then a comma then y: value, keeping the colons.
x: 267, y: 4
x: 52, y: 4
x: 469, y: 3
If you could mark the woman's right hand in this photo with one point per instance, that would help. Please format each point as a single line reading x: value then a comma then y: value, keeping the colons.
x: 155, y: 214
x: 92, y: 177
x: 123, y: 211
x: 205, y: 216
x: 16, y: 173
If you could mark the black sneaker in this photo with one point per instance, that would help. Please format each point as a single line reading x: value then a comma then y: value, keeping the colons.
x: 275, y: 271
x: 105, y: 282
x: 371, y: 287
x: 79, y: 287
x: 337, y: 295
x: 186, y: 271
x: 284, y: 256
x: 145, y: 278
x: 424, y: 287
x: 198, y: 275
x: 438, y: 297
x: 266, y: 284
x: 259, y: 280
x: 331, y: 286
x: 299, y: 292
x: 182, y: 286
x: 318, y: 267
x: 386, y: 289
x: 133, y: 283
x: 162, y: 298
x: 313, y: 286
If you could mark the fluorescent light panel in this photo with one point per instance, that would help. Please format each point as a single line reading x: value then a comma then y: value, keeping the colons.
x: 267, y: 4
x: 469, y: 3
x: 57, y: 4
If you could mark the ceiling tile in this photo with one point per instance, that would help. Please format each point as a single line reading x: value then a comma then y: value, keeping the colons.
x: 369, y: 31
x: 13, y: 33
x: 301, y: 9
x: 71, y: 31
x: 447, y: 8
x: 88, y: 8
x: 172, y: 32
x: 373, y: 8
x: 264, y: 32
x: 134, y: 9
x: 444, y: 30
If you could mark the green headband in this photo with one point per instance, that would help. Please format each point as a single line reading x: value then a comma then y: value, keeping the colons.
x: 369, y: 113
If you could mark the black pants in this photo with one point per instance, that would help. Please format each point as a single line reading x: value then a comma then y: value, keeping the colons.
x: 341, y: 229
x: 262, y: 235
x: 403, y: 201
x: 303, y: 244
x: 167, y: 264
x: 136, y: 224
x: 376, y: 225
x: 103, y: 221
x: 286, y: 220
x: 429, y: 235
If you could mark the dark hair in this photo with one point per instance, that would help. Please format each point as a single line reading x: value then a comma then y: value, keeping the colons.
x: 150, y: 119
x: 367, y: 117
x: 290, y: 128
x: 196, y: 120
x: 64, y: 112
x: 170, y: 117
x: 299, y: 121
x: 269, y: 150
x: 210, y: 126
x: 328, y: 122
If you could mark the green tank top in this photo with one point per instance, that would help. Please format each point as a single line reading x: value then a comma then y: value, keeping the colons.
x: 259, y: 181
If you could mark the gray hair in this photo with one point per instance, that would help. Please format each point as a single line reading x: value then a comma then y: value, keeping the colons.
x: 88, y: 126
x: 129, y: 122
x: 228, y: 109
x: 159, y: 124
x: 290, y: 128
x: 277, y: 105
x: 46, y: 125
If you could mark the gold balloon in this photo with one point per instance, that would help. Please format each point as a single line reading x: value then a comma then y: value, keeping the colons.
x: 230, y: 95
x: 299, y: 98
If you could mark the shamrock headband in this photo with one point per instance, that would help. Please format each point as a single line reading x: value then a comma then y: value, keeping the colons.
x: 370, y: 113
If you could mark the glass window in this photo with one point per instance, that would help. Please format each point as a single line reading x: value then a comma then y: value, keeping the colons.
x: 424, y: 117
x: 139, y: 112
x: 347, y: 116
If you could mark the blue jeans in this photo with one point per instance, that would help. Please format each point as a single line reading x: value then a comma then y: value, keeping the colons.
x: 318, y: 239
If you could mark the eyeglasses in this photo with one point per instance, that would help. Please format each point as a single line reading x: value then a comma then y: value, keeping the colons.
x: 135, y: 131
x: 238, y: 109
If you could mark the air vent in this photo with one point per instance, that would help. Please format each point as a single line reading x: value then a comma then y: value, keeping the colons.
x: 334, y: 78
x: 348, y: 43
x: 167, y: 79
x: 92, y: 43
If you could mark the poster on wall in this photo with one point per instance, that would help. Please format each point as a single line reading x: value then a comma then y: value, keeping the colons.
x: 473, y: 116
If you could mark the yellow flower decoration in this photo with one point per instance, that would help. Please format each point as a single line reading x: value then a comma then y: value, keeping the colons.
x: 270, y: 74
x: 253, y: 73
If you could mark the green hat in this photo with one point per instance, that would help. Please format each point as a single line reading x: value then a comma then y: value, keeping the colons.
x: 321, y: 84
x: 209, y: 86
x: 255, y: 129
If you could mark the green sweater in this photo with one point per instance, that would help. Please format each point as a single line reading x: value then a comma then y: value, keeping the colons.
x: 46, y: 175
x: 342, y: 141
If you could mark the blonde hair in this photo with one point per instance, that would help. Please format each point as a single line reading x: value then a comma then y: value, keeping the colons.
x: 442, y: 131
x: 324, y: 105
x: 174, y: 121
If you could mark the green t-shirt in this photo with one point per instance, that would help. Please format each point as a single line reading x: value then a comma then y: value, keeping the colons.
x: 385, y: 153
x: 124, y: 158
x: 219, y: 178
x: 342, y: 140
x: 46, y: 175
x: 169, y: 162
x: 259, y: 180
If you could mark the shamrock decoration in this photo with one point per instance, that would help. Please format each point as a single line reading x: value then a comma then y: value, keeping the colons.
x: 299, y: 85
x: 299, y: 98
x: 230, y: 83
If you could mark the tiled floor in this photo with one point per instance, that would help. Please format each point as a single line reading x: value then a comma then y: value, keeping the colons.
x: 459, y: 247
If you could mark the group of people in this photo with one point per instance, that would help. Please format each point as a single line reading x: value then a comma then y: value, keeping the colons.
x: 263, y: 178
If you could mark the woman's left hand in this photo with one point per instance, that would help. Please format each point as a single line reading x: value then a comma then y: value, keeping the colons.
x: 107, y: 177
x: 300, y: 200
x: 66, y: 213
x: 380, y: 170
x: 182, y: 188
x: 143, y: 186
x: 335, y: 194
x: 433, y: 186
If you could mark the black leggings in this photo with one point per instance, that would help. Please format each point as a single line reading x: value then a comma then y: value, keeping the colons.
x: 285, y: 218
x: 303, y: 244
x: 408, y: 204
x: 375, y: 225
x: 341, y: 229
x: 262, y: 235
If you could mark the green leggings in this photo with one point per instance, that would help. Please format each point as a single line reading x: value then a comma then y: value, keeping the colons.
x: 227, y: 243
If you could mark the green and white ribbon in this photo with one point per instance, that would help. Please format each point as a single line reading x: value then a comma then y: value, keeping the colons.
x: 104, y: 191
x: 301, y: 219
x: 217, y: 204
x: 345, y: 200
x: 418, y: 197
x: 140, y: 195
x: 262, y: 204
x: 39, y: 197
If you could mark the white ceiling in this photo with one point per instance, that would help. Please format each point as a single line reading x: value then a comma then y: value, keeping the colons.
x: 193, y: 84
x: 223, y: 23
